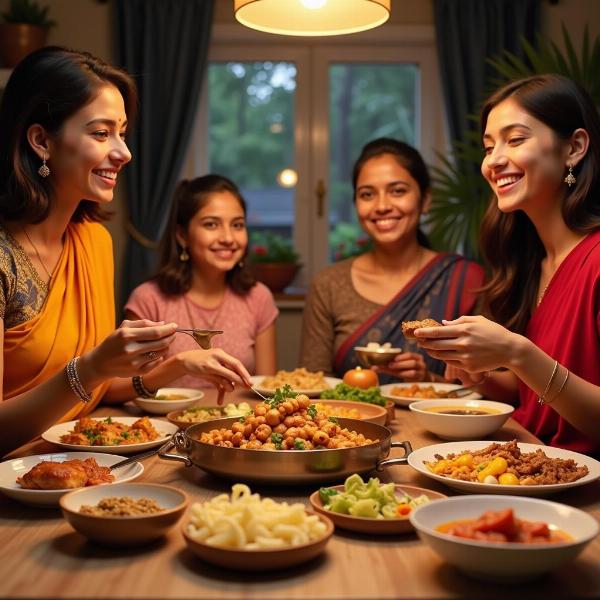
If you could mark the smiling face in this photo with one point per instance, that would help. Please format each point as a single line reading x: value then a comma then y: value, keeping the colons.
x: 216, y: 237
x: 525, y: 161
x: 87, y: 154
x: 388, y: 200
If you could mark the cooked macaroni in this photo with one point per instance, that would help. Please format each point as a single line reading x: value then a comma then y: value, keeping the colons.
x: 249, y: 522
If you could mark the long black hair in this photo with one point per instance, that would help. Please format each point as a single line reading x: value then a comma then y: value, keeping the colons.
x: 46, y: 88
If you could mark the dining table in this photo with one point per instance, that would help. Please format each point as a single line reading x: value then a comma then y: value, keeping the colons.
x: 43, y: 557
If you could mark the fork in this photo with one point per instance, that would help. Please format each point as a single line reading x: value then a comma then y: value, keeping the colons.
x: 259, y: 394
x: 201, y: 336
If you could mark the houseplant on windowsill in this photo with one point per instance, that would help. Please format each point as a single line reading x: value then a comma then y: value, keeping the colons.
x: 23, y: 29
x: 273, y: 260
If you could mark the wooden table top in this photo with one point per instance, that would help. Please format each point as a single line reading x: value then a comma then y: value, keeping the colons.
x: 43, y: 557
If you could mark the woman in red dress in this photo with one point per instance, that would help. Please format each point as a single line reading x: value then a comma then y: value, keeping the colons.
x: 541, y: 237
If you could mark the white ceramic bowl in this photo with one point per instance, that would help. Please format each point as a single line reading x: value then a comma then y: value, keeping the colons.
x: 394, y: 391
x: 376, y: 356
x: 461, y: 426
x: 124, y: 531
x: 503, y: 562
x: 162, y: 407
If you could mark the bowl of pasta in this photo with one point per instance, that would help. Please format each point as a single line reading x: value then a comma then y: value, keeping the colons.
x: 124, y: 514
x: 505, y: 539
x: 286, y: 441
x: 271, y: 535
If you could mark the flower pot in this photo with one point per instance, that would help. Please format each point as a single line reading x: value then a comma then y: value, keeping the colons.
x: 17, y: 40
x: 276, y: 276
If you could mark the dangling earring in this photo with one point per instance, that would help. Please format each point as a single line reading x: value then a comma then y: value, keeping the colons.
x: 241, y: 264
x: 184, y: 256
x: 570, y: 179
x: 44, y: 170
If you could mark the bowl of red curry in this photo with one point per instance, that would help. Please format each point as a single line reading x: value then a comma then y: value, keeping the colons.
x: 505, y: 539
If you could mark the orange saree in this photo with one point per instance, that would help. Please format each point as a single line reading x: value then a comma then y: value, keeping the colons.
x: 77, y: 315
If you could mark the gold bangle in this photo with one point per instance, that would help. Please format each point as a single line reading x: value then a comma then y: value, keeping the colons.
x: 542, y: 398
x: 562, y: 387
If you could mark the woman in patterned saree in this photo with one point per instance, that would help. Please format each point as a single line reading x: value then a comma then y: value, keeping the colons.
x: 63, y: 120
x: 365, y: 299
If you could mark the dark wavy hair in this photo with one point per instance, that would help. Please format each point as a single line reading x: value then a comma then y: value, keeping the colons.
x: 175, y: 276
x: 46, y: 88
x: 509, y: 241
x: 407, y: 157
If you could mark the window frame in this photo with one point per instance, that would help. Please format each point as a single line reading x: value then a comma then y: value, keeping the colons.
x: 388, y: 44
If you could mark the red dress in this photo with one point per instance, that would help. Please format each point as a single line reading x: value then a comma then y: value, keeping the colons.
x: 566, y: 325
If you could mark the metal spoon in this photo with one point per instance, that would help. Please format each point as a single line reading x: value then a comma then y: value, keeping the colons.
x: 202, y: 336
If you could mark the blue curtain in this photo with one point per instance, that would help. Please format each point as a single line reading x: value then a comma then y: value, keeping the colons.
x: 164, y: 45
x: 468, y: 32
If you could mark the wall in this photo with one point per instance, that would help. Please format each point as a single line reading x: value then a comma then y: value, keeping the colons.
x: 88, y: 25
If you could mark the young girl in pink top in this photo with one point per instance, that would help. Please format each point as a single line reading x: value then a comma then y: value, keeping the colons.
x: 202, y: 282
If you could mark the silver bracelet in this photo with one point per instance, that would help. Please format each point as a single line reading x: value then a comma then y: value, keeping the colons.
x: 542, y: 398
x: 140, y: 389
x: 74, y: 381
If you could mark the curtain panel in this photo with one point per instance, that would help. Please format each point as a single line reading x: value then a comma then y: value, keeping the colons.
x: 468, y: 32
x: 163, y: 44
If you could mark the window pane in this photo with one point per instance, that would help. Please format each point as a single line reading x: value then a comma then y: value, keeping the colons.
x: 367, y: 101
x: 251, y: 136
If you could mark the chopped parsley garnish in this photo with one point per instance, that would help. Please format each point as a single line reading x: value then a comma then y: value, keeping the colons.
x: 125, y: 435
x: 108, y: 420
x: 333, y: 420
x: 277, y: 439
x: 326, y: 493
x: 312, y: 411
x: 281, y: 395
x: 299, y: 444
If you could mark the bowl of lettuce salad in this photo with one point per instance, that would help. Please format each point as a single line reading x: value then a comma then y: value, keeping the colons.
x: 371, y: 507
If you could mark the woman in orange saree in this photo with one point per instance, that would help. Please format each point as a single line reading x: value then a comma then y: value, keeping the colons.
x: 63, y: 121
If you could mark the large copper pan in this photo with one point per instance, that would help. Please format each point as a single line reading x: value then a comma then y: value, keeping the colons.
x: 286, y: 466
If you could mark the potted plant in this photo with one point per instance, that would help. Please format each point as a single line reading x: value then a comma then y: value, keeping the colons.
x: 274, y: 260
x: 24, y: 29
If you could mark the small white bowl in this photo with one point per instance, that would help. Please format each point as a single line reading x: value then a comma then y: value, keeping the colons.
x: 162, y: 407
x: 461, y: 426
x: 503, y: 562
x: 124, y: 531
x: 376, y: 356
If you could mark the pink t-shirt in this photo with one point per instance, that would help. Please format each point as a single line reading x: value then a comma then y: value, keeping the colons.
x: 241, y: 318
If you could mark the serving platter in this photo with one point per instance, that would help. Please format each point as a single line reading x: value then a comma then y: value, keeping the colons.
x: 386, y: 391
x: 311, y: 393
x: 373, y: 526
x: 418, y: 458
x: 165, y: 431
x: 17, y: 467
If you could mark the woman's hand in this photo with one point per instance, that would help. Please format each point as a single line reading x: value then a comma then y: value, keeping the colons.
x: 408, y: 366
x: 471, y: 343
x: 135, y: 348
x: 467, y: 379
x: 215, y: 365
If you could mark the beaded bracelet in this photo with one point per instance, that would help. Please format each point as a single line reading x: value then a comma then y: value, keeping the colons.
x: 542, y: 398
x: 74, y: 381
x: 140, y: 389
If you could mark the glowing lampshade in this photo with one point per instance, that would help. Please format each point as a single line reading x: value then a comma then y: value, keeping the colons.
x: 312, y: 17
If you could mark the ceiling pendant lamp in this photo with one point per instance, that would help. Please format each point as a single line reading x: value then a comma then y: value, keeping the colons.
x: 312, y: 17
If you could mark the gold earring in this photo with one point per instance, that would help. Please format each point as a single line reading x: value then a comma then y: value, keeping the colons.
x: 44, y: 170
x: 184, y: 256
x: 570, y: 179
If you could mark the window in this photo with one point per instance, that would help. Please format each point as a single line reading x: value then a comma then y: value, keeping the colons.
x: 310, y: 107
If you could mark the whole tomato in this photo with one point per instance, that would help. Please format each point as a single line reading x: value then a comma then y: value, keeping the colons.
x: 361, y: 378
